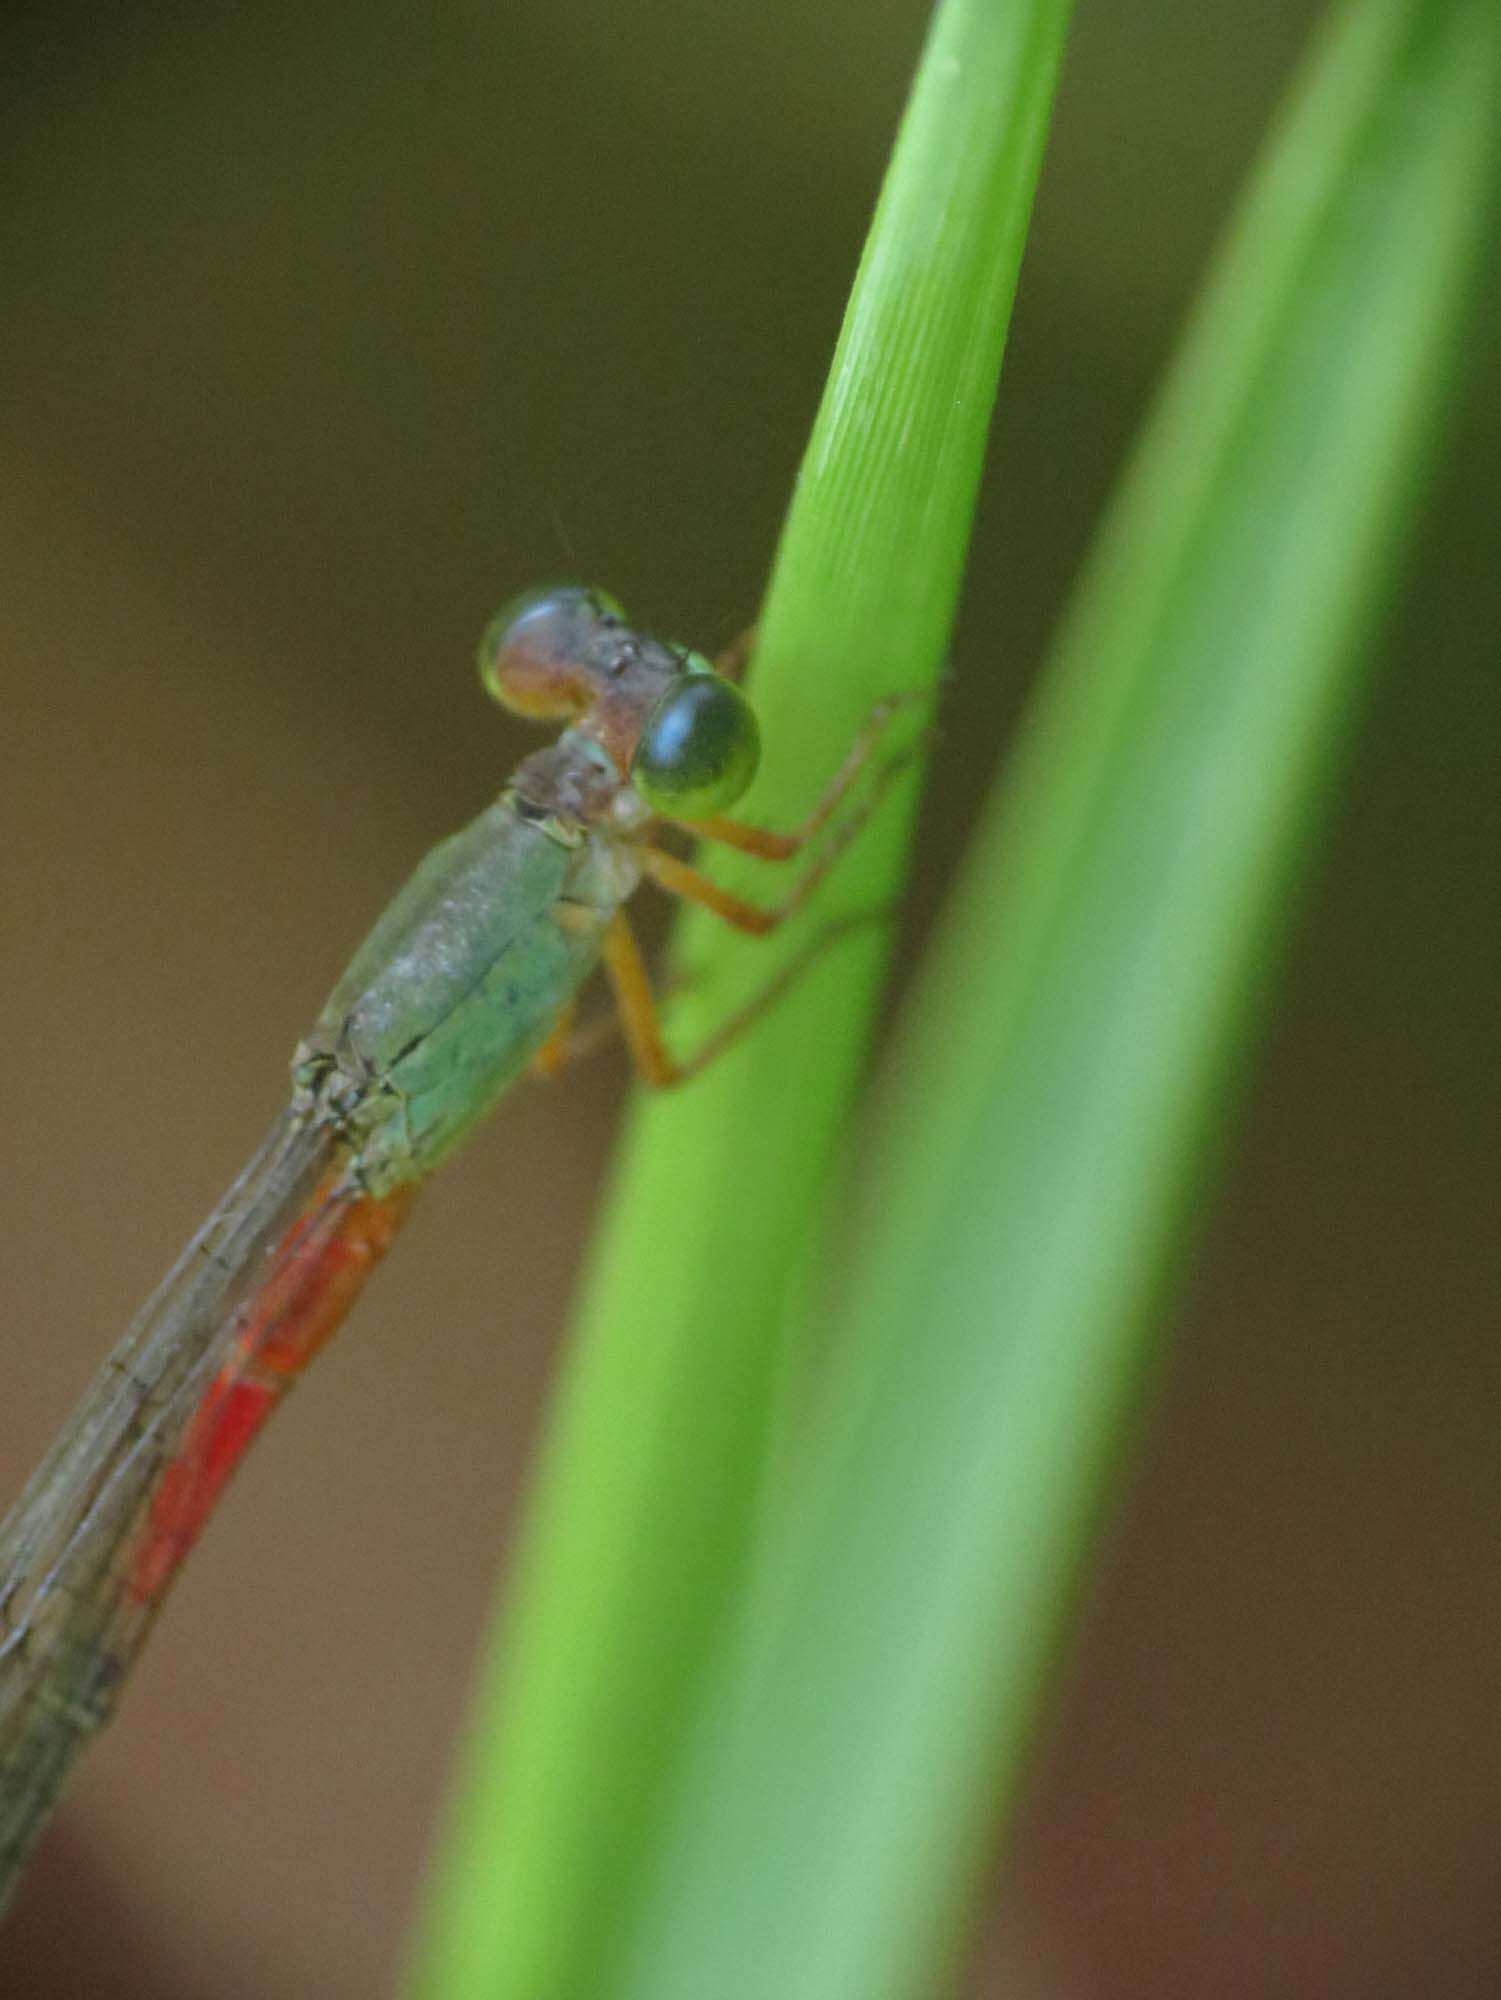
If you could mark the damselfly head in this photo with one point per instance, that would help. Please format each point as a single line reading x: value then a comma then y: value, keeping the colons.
x: 685, y: 738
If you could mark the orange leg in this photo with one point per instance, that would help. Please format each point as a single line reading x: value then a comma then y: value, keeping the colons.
x: 635, y: 1001
x: 637, y: 1004
x: 770, y: 846
x: 573, y: 1041
x: 567, y: 1044
x: 733, y: 661
x: 558, y: 1050
x: 679, y: 878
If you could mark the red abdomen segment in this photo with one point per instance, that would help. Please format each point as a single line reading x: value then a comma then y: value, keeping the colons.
x: 316, y: 1274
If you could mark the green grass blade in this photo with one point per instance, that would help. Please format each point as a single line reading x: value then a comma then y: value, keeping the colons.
x: 1068, y: 1058
x: 653, y: 1475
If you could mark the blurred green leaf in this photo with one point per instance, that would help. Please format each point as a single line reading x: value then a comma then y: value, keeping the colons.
x: 1066, y: 1063
x: 654, y: 1473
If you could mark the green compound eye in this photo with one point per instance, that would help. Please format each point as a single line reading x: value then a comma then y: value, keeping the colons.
x: 698, y: 751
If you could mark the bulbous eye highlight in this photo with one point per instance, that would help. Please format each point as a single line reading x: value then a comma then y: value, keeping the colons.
x: 699, y: 749
x: 528, y: 657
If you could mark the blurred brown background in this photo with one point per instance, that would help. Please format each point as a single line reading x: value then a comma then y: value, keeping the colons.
x: 326, y: 328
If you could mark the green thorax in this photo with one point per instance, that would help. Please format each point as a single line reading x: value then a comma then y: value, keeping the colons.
x: 457, y: 986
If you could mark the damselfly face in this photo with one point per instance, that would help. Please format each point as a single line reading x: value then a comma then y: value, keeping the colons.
x: 685, y: 738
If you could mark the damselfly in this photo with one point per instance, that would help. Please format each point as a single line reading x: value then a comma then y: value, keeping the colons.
x: 468, y: 980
